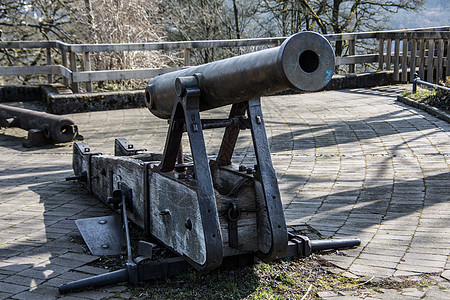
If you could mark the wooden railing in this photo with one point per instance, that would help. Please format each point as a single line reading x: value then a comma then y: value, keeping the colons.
x: 423, y: 49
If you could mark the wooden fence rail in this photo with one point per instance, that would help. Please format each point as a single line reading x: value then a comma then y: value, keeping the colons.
x: 424, y: 50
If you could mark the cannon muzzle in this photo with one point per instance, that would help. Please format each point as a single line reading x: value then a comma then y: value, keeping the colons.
x: 305, y: 61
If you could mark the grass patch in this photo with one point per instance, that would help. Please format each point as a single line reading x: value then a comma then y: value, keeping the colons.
x: 436, y: 98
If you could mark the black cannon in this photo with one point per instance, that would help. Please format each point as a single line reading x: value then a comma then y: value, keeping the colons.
x: 304, y: 61
x: 207, y: 210
x: 43, y: 127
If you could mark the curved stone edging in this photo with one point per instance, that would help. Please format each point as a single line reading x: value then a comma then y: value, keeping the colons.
x: 425, y: 107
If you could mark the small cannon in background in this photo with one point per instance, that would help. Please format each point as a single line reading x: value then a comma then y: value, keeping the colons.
x: 206, y: 210
x: 43, y: 128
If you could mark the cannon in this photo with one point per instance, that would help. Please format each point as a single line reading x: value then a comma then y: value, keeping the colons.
x: 42, y: 127
x: 206, y: 211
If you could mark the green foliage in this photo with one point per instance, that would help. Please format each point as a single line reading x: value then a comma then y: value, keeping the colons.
x: 437, y: 98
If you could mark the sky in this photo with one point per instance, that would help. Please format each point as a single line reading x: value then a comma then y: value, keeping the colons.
x: 435, y: 13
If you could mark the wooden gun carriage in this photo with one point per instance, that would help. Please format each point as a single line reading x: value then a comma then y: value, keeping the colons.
x: 207, y: 210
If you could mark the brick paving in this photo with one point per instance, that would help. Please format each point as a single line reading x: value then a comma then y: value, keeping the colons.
x: 350, y: 163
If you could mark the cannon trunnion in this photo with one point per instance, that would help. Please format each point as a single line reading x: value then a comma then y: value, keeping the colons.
x: 207, y: 210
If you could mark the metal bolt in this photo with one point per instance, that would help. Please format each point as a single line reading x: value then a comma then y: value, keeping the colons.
x: 87, y: 149
x: 242, y: 168
x: 105, y: 246
x: 102, y: 222
x: 249, y: 171
x: 130, y: 146
x: 258, y: 120
x: 195, y: 127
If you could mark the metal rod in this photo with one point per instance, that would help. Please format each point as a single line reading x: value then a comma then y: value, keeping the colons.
x: 417, y: 80
x: 216, y: 123
x: 127, y: 231
x: 95, y: 281
x: 317, y: 245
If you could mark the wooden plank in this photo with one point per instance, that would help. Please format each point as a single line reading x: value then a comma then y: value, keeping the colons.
x: 430, y: 67
x: 64, y: 63
x: 414, y: 35
x: 175, y: 45
x: 396, y: 60
x: 440, y: 61
x: 87, y: 67
x: 389, y: 54
x: 187, y: 57
x: 447, y: 68
x: 357, y: 59
x: 422, y: 45
x: 436, y: 32
x: 412, y: 62
x: 49, y: 63
x: 28, y: 70
x: 405, y: 60
x: 380, y: 54
x: 351, y: 52
x: 378, y: 34
x: 66, y: 73
x: 119, y: 74
x: 73, y: 68
x: 27, y: 44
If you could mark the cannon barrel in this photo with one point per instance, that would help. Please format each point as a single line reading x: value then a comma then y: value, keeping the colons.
x: 305, y: 61
x: 57, y: 128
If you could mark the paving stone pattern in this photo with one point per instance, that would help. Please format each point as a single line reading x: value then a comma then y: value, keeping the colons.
x: 350, y: 163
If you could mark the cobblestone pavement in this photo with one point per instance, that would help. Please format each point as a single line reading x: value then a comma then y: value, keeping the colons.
x: 350, y: 163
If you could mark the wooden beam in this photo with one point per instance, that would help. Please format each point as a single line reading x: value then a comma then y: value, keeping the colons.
x: 396, y: 60
x: 73, y: 68
x: 389, y: 54
x: 430, y: 67
x: 351, y: 52
x: 29, y: 70
x: 380, y: 54
x: 412, y: 61
x: 49, y: 63
x: 87, y: 67
x: 422, y: 44
x: 405, y: 60
x: 119, y: 74
x: 356, y: 59
x: 440, y: 61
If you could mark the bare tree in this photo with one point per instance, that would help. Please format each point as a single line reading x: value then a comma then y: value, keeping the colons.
x: 331, y: 16
x: 32, y: 20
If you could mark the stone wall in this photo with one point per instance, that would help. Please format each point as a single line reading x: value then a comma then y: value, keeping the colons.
x: 63, y: 103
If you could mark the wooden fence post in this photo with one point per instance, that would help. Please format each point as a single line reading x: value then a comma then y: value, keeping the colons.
x: 87, y: 67
x: 351, y: 51
x: 447, y: 68
x: 389, y: 54
x: 430, y: 67
x: 64, y: 63
x: 380, y: 54
x: 187, y: 57
x: 412, y: 62
x: 405, y: 60
x: 73, y: 68
x: 422, y: 44
x: 440, y: 61
x: 49, y: 62
x: 396, y: 60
